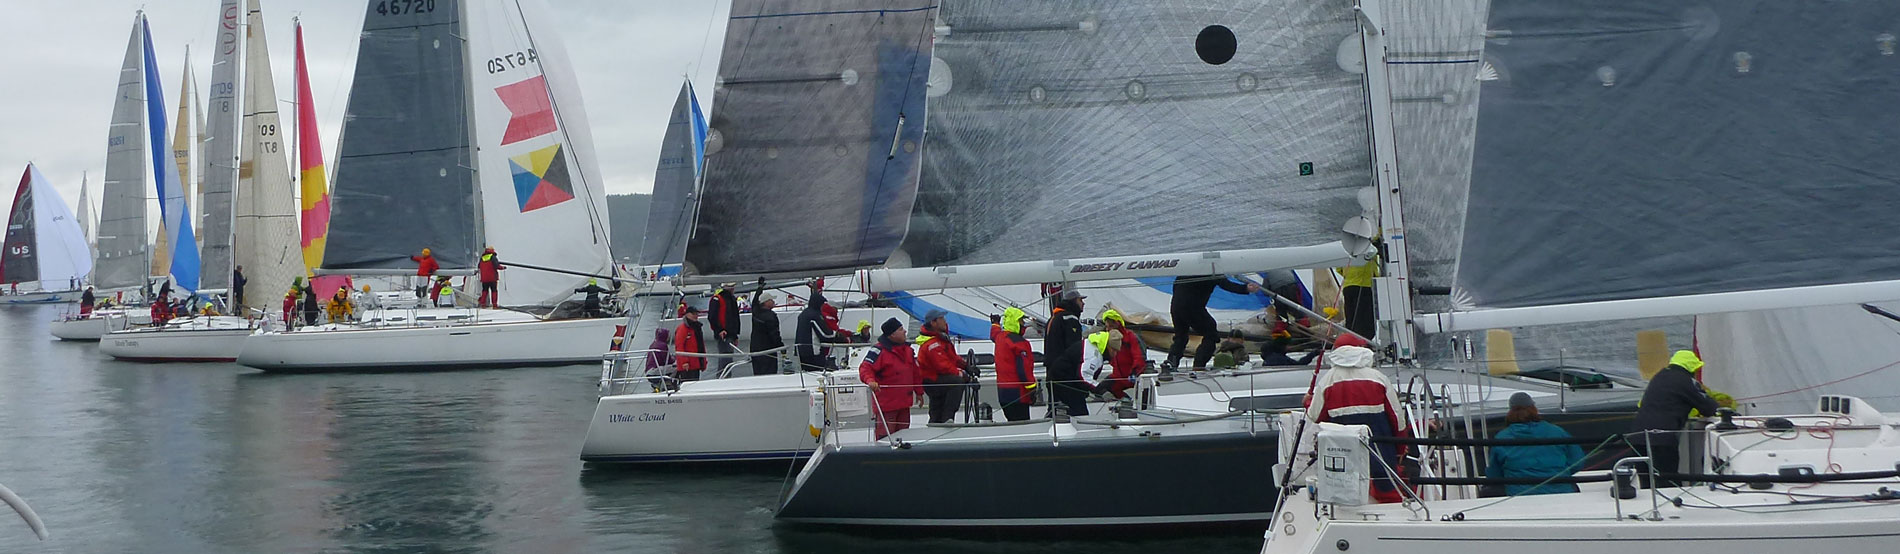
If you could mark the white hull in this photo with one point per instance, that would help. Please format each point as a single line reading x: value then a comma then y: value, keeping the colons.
x: 95, y: 326
x: 55, y: 297
x: 395, y: 348
x: 214, y: 339
x: 763, y: 418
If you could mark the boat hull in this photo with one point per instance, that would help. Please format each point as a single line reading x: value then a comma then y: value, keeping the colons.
x: 510, y: 344
x: 95, y: 326
x: 210, y: 344
x: 54, y: 297
x: 769, y: 424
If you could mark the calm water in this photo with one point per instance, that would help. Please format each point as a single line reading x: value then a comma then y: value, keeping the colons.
x: 120, y: 457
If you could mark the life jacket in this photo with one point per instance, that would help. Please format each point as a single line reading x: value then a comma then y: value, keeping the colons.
x: 1015, y: 362
x: 937, y: 356
x: 686, y: 339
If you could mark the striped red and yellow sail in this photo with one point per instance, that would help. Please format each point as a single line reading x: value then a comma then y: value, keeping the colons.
x: 315, y: 205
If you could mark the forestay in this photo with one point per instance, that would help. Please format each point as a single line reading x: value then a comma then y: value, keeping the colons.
x: 1634, y: 150
x: 817, y: 124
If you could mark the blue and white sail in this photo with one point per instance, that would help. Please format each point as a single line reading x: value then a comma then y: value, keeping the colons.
x: 172, y: 205
x: 676, y: 185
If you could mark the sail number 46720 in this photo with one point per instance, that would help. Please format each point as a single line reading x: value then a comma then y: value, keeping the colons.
x: 404, y: 7
x: 506, y: 62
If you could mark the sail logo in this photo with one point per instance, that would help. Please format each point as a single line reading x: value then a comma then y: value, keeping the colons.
x: 541, y: 178
x: 530, y: 112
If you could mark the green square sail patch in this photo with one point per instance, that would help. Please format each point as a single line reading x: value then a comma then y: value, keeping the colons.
x: 1306, y: 168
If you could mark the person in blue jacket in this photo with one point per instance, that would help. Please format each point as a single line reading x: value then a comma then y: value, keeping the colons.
x: 1535, y: 462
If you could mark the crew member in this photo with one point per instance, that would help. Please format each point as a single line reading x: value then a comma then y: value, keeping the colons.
x: 237, y: 290
x: 686, y: 340
x: 86, y: 301
x: 813, y: 332
x: 1095, y: 355
x: 490, y: 269
x: 1232, y: 351
x: 1533, y: 461
x: 723, y: 313
x: 660, y: 355
x: 943, y: 371
x: 890, y: 370
x: 367, y: 301
x: 1355, y: 393
x: 425, y: 272
x: 435, y: 291
x: 1125, y: 357
x: 1062, y: 353
x: 310, y: 306
x: 1015, y: 365
x: 1273, y: 353
x: 1189, y: 310
x: 1356, y: 285
x: 1664, y: 412
x: 339, y: 308
x: 590, y: 307
x: 290, y: 308
x: 765, y: 333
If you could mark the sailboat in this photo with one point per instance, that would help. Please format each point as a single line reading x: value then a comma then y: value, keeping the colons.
x: 219, y: 337
x: 1788, y: 308
x: 122, y: 255
x: 511, y: 166
x: 45, y: 247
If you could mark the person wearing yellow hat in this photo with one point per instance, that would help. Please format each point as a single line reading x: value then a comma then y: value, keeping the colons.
x: 1015, y: 364
x: 1125, y: 359
x: 425, y: 272
x: 1664, y: 412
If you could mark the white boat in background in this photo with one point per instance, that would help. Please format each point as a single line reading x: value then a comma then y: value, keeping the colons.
x: 92, y: 327
x: 44, y: 247
x: 188, y: 339
x: 512, y: 169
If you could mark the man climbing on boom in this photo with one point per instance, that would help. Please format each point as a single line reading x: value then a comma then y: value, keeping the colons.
x: 425, y: 272
x: 1188, y: 307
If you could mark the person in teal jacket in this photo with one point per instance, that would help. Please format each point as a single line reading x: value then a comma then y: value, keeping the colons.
x: 1536, y: 462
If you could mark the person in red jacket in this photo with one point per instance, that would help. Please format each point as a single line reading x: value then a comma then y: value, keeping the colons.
x: 290, y: 308
x: 890, y: 370
x: 425, y: 272
x: 490, y: 267
x: 1125, y: 358
x: 686, y: 340
x: 943, y: 370
x: 1015, y: 365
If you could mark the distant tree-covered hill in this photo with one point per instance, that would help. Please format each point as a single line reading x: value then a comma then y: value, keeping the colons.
x: 628, y: 212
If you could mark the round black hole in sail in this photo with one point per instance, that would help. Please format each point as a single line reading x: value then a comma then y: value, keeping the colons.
x: 1215, y: 44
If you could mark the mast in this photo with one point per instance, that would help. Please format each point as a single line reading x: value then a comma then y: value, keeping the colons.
x: 1394, y: 286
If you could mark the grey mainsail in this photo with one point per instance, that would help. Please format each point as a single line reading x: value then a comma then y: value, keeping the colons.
x: 1063, y: 129
x: 1640, y: 149
x: 670, y: 217
x: 124, y: 258
x: 818, y: 120
x: 404, y: 175
x: 220, y: 149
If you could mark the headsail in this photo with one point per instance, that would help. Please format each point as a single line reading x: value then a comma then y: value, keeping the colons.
x: 817, y: 127
x: 315, y: 205
x: 676, y: 182
x: 220, y: 149
x: 171, y: 194
x: 405, y: 177
x: 85, y: 212
x: 1630, y: 154
x: 181, y: 156
x: 543, y: 201
x: 44, y: 242
x: 123, y: 252
x: 266, y: 213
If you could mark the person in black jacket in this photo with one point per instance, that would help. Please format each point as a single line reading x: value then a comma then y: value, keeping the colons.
x: 765, y: 333
x: 1664, y: 412
x: 590, y: 306
x: 812, y: 333
x: 310, y: 305
x: 1062, y: 353
x: 1188, y: 307
x: 723, y: 310
x: 237, y: 289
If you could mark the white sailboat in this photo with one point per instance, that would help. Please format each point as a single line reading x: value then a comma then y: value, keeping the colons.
x: 209, y: 338
x: 511, y: 166
x: 1810, y: 468
x: 45, y: 248
x: 122, y: 255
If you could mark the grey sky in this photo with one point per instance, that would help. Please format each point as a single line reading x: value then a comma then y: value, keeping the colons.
x: 61, y: 68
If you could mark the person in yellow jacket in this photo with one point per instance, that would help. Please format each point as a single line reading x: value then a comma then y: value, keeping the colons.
x: 339, y: 308
x: 1356, y: 285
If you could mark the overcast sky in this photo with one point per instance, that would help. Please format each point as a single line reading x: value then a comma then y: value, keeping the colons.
x: 61, y: 60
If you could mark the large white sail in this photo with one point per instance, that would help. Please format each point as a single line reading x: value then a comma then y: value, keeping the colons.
x: 266, y: 212
x: 220, y: 149
x: 43, y: 240
x: 123, y: 255
x: 543, y: 201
